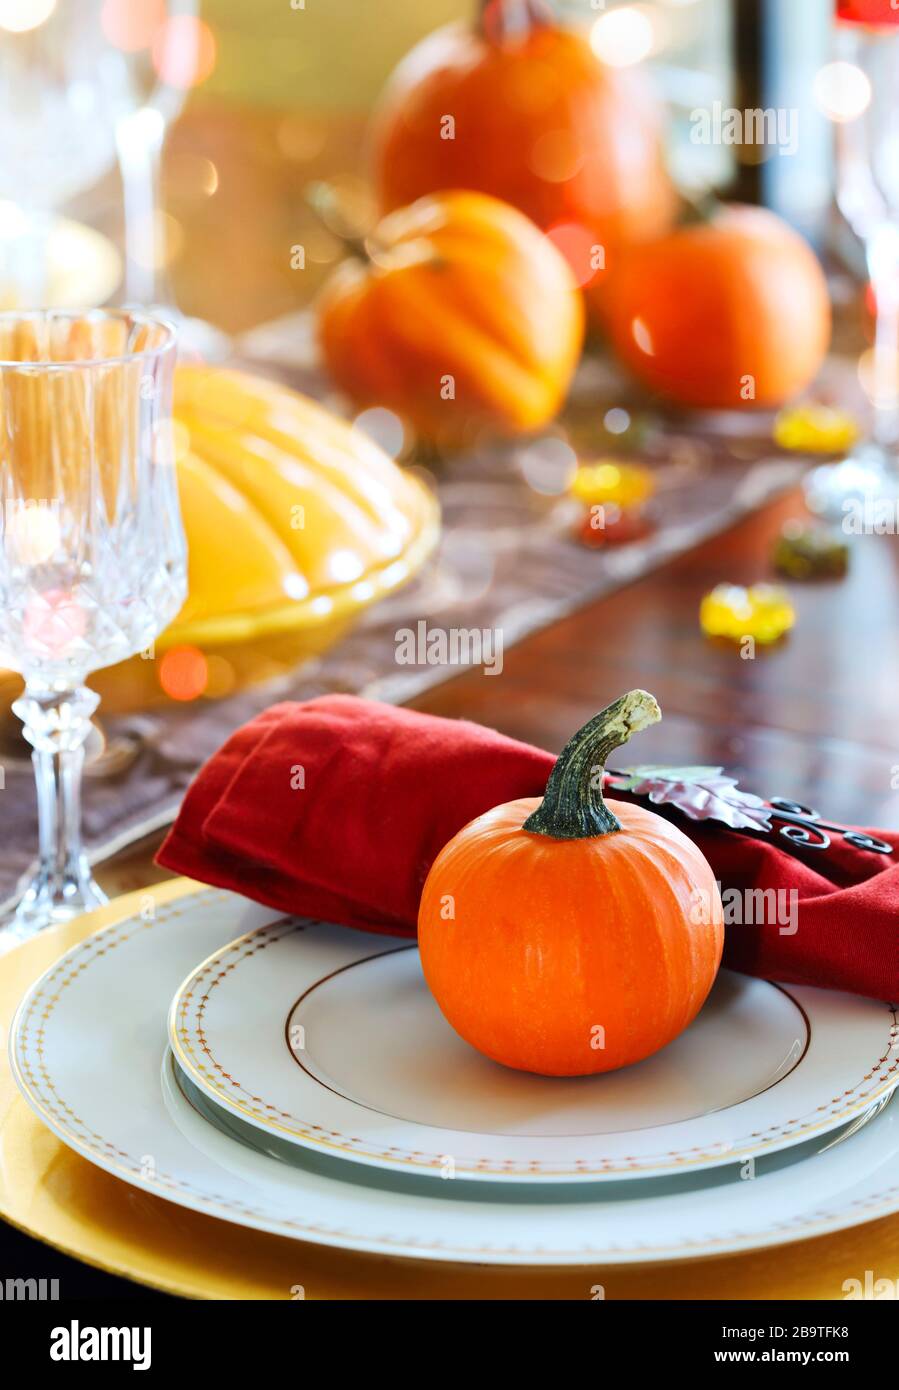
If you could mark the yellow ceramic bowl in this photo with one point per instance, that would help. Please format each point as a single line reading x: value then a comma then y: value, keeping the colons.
x: 296, y: 522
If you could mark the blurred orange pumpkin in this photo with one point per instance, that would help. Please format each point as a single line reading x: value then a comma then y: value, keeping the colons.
x: 464, y: 318
x: 526, y: 111
x: 730, y: 312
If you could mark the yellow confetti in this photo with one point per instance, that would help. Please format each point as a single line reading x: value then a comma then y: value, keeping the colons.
x: 608, y: 482
x: 763, y: 612
x: 816, y: 429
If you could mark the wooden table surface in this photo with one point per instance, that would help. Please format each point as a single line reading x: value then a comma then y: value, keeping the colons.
x: 814, y: 718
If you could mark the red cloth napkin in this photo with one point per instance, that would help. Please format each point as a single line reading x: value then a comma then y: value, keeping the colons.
x: 337, y: 808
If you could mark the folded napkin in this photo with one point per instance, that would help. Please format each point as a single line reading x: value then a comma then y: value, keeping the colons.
x: 336, y: 809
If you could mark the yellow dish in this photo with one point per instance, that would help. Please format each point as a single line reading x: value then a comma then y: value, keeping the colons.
x: 295, y: 522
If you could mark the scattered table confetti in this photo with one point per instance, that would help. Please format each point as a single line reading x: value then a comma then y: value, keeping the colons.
x: 806, y: 550
x: 610, y: 525
x: 607, y: 482
x: 615, y: 495
x: 816, y: 429
x: 763, y: 612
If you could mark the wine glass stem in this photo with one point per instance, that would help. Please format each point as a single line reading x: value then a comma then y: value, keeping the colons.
x: 58, y: 777
x: 57, y: 722
x: 139, y: 139
x: 883, y: 269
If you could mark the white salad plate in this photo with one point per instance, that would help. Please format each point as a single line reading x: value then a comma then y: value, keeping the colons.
x: 88, y: 1050
x: 330, y: 1039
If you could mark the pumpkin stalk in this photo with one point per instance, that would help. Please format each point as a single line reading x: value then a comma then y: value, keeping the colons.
x: 322, y: 199
x: 699, y: 208
x: 573, y: 807
x: 513, y: 19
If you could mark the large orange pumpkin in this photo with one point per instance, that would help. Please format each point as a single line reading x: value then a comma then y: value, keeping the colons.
x: 522, y: 108
x: 572, y: 935
x: 728, y: 312
x: 464, y: 318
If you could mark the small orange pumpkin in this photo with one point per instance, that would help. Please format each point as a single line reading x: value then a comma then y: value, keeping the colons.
x: 572, y: 935
x: 521, y: 107
x: 729, y: 312
x: 465, y: 318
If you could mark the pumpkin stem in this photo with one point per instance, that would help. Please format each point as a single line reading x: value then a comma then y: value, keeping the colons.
x: 701, y: 207
x: 513, y: 19
x: 573, y: 807
x: 323, y: 199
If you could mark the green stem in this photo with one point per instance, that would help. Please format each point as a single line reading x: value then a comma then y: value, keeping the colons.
x: 322, y: 199
x: 573, y: 807
x: 699, y: 208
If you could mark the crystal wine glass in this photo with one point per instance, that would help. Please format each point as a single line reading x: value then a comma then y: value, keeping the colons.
x: 159, y: 74
x: 58, y: 95
x: 92, y: 551
x: 867, y: 157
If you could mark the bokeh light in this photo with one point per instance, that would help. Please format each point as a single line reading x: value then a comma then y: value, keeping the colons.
x: 580, y: 249
x: 642, y: 337
x: 32, y: 532
x: 344, y: 566
x: 192, y: 175
x: 617, y: 420
x: 221, y: 677
x: 184, y: 51
x: 623, y: 37
x: 842, y: 91
x: 159, y: 241
x: 18, y: 16
x: 184, y: 673
x: 878, y: 373
x: 300, y: 137
x: 549, y: 466
x: 132, y: 25
x: 384, y: 427
x: 295, y: 585
x: 556, y: 156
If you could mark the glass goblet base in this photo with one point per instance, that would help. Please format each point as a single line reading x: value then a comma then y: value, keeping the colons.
x: 55, y: 896
x: 57, y: 720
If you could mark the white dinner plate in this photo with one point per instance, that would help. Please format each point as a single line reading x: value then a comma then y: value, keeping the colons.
x: 88, y: 1050
x: 330, y: 1038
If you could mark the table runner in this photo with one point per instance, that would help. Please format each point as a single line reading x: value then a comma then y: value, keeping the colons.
x: 508, y: 564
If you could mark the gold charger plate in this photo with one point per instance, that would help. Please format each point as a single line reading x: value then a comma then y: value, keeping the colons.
x: 51, y: 1193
